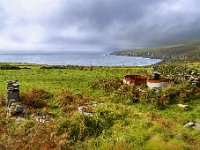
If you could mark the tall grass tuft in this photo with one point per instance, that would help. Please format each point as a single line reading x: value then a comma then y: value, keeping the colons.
x: 2, y: 100
x: 108, y: 84
x: 36, y: 98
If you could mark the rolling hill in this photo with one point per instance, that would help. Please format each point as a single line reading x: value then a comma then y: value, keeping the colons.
x: 189, y: 52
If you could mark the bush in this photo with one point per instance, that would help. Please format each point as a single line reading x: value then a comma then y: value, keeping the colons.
x: 160, y: 97
x: 180, y: 93
x: 36, y: 98
x: 73, y: 126
x: 53, y: 67
x: 173, y: 69
x: 2, y: 101
x: 68, y: 67
x: 79, y: 127
x: 27, y: 125
x: 68, y: 100
x: 169, y: 95
x: 107, y: 84
x: 126, y: 94
x: 9, y: 67
x: 66, y: 97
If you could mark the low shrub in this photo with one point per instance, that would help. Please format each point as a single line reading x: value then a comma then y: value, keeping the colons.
x: 9, y: 67
x: 126, y: 94
x: 27, y: 125
x: 36, y: 98
x: 69, y: 100
x: 108, y: 84
x: 79, y: 127
x: 179, y: 93
x: 169, y: 95
x: 2, y: 100
x: 66, y: 97
x: 68, y: 67
x: 53, y: 67
x: 173, y: 69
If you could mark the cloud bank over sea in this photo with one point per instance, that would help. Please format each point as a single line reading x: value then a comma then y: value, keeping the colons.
x: 96, y: 25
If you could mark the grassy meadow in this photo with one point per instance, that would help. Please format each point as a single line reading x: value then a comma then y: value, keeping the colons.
x: 118, y: 121
x: 78, y: 79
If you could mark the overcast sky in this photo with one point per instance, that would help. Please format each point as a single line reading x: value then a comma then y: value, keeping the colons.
x: 96, y: 25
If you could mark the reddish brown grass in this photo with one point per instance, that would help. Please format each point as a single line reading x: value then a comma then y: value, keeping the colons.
x: 36, y: 98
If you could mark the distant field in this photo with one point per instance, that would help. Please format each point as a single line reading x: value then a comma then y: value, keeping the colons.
x: 78, y: 79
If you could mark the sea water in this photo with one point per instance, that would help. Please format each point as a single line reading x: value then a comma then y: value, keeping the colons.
x: 75, y: 58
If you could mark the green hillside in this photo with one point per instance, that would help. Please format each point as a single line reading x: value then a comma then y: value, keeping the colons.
x: 189, y: 52
x: 122, y: 116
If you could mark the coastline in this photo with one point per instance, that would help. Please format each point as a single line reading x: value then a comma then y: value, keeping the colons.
x: 76, y: 59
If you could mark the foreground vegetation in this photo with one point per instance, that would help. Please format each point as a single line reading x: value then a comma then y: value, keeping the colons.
x: 119, y: 119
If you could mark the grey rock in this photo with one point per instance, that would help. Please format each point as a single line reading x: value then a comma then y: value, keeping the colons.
x: 80, y: 109
x: 183, y: 106
x: 12, y: 110
x: 19, y: 109
x: 189, y: 124
x: 41, y: 119
x: 196, y: 126
x: 20, y: 120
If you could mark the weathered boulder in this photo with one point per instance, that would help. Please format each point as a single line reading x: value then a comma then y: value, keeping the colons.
x: 12, y: 109
x: 19, y: 109
x: 83, y: 112
x: 15, y: 109
x: 183, y: 106
x: 194, y: 125
x: 189, y: 124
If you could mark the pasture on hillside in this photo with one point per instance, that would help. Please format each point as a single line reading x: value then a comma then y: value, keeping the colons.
x: 117, y: 120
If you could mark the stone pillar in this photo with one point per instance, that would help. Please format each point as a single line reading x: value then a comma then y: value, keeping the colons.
x: 13, y: 99
x: 13, y: 90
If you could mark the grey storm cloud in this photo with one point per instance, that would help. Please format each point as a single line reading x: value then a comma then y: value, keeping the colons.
x: 96, y: 24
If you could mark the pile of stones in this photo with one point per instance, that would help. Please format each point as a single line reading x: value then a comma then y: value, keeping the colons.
x: 195, y: 78
x: 13, y: 106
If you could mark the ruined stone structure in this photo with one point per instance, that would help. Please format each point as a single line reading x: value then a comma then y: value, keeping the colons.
x: 13, y: 90
x: 140, y: 79
x: 12, y: 102
x: 194, y: 78
x: 157, y: 81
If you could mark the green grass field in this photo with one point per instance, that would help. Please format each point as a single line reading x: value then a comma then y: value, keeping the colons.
x: 55, y: 79
x: 117, y: 125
